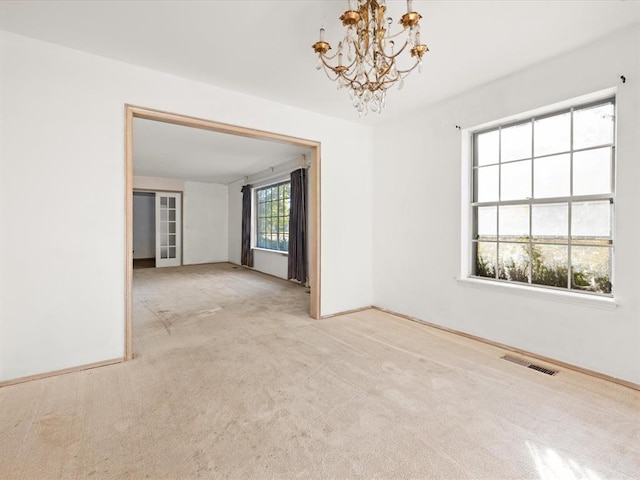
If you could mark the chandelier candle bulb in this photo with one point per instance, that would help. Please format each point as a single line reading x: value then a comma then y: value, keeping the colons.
x: 409, y: 6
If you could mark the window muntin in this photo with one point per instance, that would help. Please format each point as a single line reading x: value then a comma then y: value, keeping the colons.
x: 542, y: 200
x: 272, y: 216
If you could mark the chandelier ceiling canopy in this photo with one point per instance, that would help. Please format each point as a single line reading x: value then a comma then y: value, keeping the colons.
x: 371, y: 51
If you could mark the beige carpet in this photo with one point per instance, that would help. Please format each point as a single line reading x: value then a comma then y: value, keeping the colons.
x: 232, y: 380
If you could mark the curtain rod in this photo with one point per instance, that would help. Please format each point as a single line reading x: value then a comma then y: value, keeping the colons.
x: 271, y: 172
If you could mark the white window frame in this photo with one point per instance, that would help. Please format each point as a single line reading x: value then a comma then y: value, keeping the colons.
x: 255, y: 205
x: 466, y: 278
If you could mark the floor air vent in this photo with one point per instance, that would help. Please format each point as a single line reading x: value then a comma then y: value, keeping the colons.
x: 525, y: 363
x: 542, y: 369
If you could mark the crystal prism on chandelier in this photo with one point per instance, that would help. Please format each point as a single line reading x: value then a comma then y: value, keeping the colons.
x: 370, y: 67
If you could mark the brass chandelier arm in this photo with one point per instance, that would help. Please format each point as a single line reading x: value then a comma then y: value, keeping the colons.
x: 325, y: 64
x: 405, y: 72
x: 396, y: 35
x: 395, y: 54
x: 326, y: 67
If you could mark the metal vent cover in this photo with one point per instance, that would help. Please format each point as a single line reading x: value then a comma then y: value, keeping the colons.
x: 526, y: 363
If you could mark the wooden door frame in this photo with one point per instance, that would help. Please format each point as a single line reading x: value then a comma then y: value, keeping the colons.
x: 131, y: 112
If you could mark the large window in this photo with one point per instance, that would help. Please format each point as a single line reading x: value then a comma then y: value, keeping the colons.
x: 543, y: 192
x: 272, y: 216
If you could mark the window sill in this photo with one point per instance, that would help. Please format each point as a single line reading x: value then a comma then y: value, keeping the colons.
x: 605, y: 303
x: 285, y: 254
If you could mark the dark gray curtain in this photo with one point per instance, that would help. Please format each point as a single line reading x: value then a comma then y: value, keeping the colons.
x: 246, y: 255
x: 298, y: 227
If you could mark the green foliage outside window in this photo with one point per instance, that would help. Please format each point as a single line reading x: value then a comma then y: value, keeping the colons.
x: 536, y: 270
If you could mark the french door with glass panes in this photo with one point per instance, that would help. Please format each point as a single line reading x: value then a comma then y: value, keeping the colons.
x: 168, y: 229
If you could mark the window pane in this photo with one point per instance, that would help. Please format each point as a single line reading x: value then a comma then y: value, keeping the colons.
x: 487, y: 222
x: 516, y: 142
x: 515, y: 181
x: 550, y: 222
x: 592, y: 172
x: 261, y: 196
x: 550, y: 265
x: 487, y: 148
x: 593, y: 126
x: 172, y: 202
x: 551, y: 176
x: 513, y: 262
x: 591, y: 269
x: 163, y: 201
x: 486, y: 257
x: 514, y: 223
x: 591, y: 221
x: 172, y: 215
x: 487, y: 184
x: 552, y: 134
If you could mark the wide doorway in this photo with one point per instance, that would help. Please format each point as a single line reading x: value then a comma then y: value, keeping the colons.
x: 179, y: 185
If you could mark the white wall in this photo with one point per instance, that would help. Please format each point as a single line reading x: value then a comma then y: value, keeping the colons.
x: 144, y: 225
x: 205, y: 223
x: 417, y: 216
x: 62, y: 131
x: 159, y: 184
x: 273, y: 263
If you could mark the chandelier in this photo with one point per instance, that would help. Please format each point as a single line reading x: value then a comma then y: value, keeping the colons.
x: 371, y: 52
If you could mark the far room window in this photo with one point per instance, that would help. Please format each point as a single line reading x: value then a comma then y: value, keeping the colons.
x: 543, y: 199
x: 272, y: 216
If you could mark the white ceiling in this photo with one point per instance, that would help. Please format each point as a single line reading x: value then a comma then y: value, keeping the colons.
x: 263, y: 47
x: 173, y: 151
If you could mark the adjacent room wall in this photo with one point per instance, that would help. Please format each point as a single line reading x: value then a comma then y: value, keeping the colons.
x: 205, y: 223
x: 158, y: 184
x: 273, y: 263
x: 417, y: 216
x: 72, y: 103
